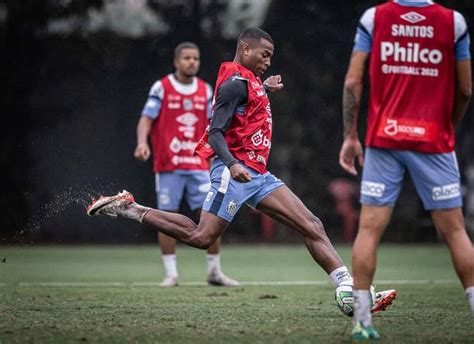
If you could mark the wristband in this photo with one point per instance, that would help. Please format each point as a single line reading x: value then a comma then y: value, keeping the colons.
x: 232, y: 163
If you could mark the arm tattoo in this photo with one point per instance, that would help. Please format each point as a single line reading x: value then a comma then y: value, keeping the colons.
x: 349, y: 111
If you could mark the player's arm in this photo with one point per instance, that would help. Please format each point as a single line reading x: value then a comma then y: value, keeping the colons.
x: 230, y: 95
x: 142, y: 150
x: 352, y: 94
x: 149, y: 114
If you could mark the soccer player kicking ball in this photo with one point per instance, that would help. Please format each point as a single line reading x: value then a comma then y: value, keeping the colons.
x: 175, y: 116
x: 239, y: 139
x: 420, y: 75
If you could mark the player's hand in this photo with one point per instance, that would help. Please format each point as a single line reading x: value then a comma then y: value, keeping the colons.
x: 142, y: 152
x: 350, y: 150
x: 240, y: 173
x: 273, y: 83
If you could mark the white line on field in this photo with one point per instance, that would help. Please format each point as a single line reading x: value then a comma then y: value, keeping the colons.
x: 242, y: 283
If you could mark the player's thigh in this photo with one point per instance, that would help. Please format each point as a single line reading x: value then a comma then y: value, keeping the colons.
x: 285, y: 207
x: 382, y: 177
x: 267, y: 184
x: 169, y: 189
x: 197, y: 187
x: 436, y: 179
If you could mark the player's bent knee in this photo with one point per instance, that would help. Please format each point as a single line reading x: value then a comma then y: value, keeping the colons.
x: 318, y: 224
x: 202, y: 241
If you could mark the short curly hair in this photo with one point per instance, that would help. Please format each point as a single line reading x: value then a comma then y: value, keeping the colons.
x: 254, y: 33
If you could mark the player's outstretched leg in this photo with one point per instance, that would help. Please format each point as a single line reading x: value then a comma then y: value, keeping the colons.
x: 178, y: 226
x: 284, y: 206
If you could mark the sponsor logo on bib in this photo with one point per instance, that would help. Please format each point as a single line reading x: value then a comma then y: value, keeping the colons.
x: 406, y: 129
x: 411, y: 52
x: 413, y: 17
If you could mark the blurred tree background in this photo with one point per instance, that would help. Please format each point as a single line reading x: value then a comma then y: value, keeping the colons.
x: 76, y: 76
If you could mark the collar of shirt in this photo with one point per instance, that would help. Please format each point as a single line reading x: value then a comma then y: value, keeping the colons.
x: 185, y: 89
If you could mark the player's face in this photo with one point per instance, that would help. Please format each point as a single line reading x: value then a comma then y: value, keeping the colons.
x: 258, y: 56
x: 187, y: 62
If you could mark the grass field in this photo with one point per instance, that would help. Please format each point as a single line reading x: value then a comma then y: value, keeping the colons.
x: 110, y: 294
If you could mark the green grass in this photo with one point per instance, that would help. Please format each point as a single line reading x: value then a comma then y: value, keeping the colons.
x: 434, y: 313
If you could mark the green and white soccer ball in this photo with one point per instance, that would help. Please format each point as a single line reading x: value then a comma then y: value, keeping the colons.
x: 345, y: 298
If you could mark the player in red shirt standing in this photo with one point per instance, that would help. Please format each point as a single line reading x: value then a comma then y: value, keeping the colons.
x: 239, y: 139
x: 175, y: 116
x: 420, y: 76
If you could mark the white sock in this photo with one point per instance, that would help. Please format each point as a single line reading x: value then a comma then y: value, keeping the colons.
x: 340, y: 275
x: 169, y: 261
x: 213, y: 263
x: 134, y: 211
x: 362, y: 307
x: 142, y: 212
x: 470, y: 298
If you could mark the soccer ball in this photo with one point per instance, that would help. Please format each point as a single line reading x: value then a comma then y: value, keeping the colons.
x: 345, y: 298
